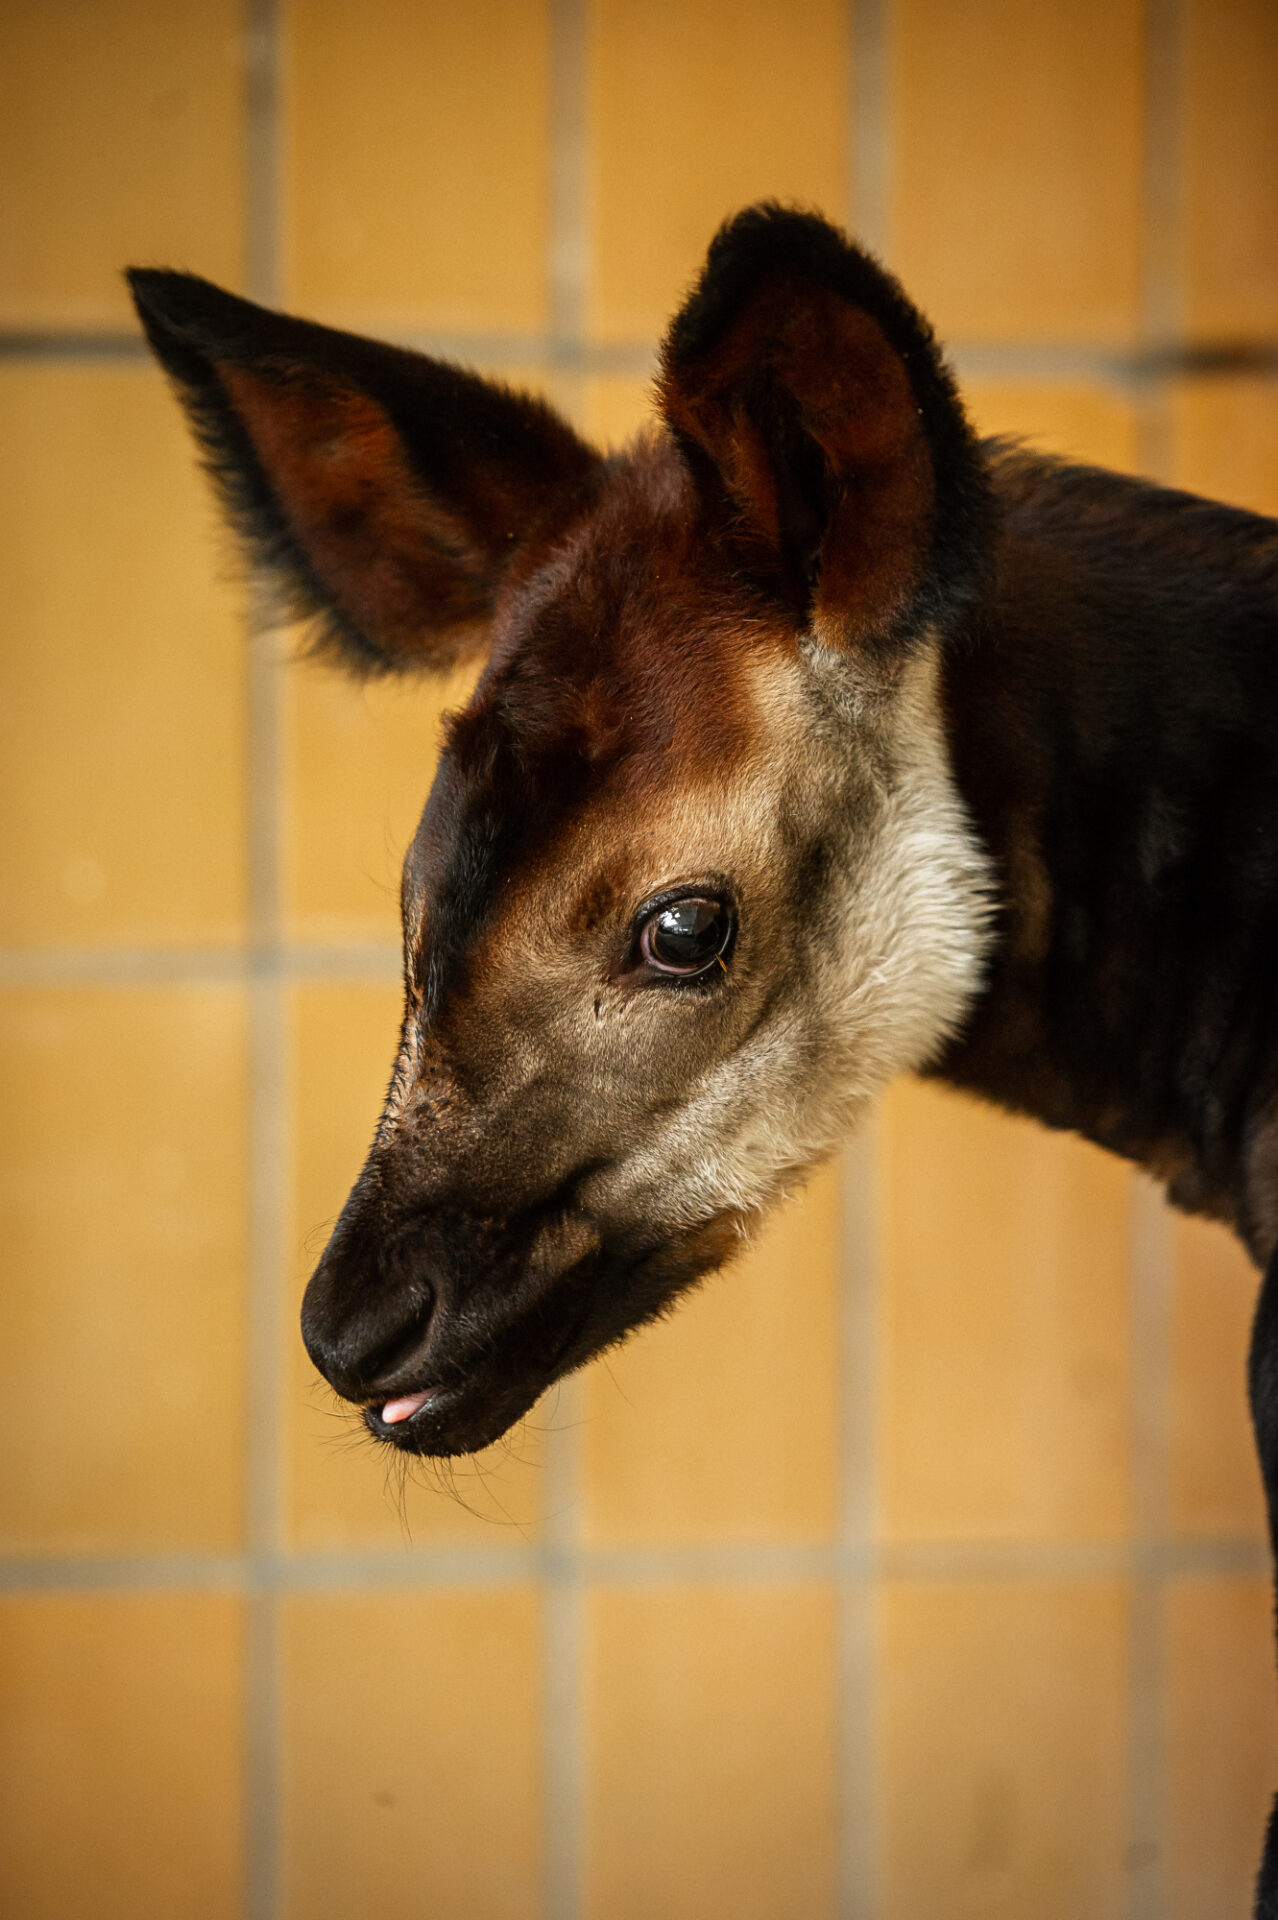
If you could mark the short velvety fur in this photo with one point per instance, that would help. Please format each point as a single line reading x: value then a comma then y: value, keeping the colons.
x: 972, y: 754
x: 384, y: 494
x: 824, y: 429
x: 1114, y: 724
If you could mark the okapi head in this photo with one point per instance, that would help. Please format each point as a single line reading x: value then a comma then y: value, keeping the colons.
x: 692, y: 880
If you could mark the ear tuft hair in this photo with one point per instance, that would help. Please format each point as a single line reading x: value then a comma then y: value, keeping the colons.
x: 824, y: 431
x: 383, y: 493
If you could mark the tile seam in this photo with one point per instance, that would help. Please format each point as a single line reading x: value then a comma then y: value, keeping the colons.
x: 1161, y: 303
x: 1151, y: 1276
x: 859, y: 1570
x: 269, y: 1119
x: 109, y: 344
x: 1114, y: 362
x: 790, y: 1562
x: 562, y: 1731
x: 1162, y: 311
x: 870, y: 143
x: 867, y: 28
x: 1150, y: 1322
x: 210, y: 966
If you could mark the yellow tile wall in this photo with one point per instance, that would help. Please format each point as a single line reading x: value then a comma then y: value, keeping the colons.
x: 121, y: 1743
x: 866, y: 1582
x: 411, y: 1755
x: 1046, y: 247
x: 1223, y: 439
x: 124, y: 1209
x: 1230, y: 162
x: 1214, y: 1479
x: 709, y: 1751
x: 361, y: 756
x: 699, y: 107
x: 617, y: 407
x: 121, y: 142
x: 1005, y: 1369
x: 122, y: 719
x: 1003, y: 1750
x: 1223, y: 1755
x: 417, y: 129
x: 1093, y: 423
x: 722, y: 1424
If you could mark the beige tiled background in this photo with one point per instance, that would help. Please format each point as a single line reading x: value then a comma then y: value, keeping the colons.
x: 915, y: 1568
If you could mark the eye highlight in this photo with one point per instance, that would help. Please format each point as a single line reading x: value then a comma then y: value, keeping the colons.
x: 688, y: 937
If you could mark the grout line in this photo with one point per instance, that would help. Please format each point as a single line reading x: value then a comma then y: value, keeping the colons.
x: 1133, y: 370
x: 197, y: 1572
x: 563, y: 1737
x: 870, y: 142
x: 1162, y: 304
x: 526, y: 352
x: 263, y: 152
x: 568, y: 234
x: 560, y: 1558
x: 870, y: 156
x: 372, y: 960
x: 522, y: 352
x: 560, y: 1564
x: 859, y: 1409
x: 857, y: 1641
x: 1150, y: 1325
x: 268, y: 1133
x: 1161, y: 292
x: 1162, y: 326
x: 107, y: 344
x: 269, y: 1120
x: 1049, y: 360
x: 261, y: 1810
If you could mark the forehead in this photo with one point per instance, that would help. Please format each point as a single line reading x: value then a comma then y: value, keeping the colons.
x: 633, y: 680
x: 634, y: 640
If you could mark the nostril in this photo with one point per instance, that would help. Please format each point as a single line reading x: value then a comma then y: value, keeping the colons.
x: 359, y: 1350
x: 383, y: 1362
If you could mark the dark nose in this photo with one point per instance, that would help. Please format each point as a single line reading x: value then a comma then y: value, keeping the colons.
x: 362, y: 1321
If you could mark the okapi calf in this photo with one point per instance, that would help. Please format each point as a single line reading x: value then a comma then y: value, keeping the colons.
x: 817, y: 741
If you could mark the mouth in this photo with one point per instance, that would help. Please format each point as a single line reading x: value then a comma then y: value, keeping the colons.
x: 473, y: 1399
x: 410, y: 1421
x: 444, y: 1419
x: 405, y: 1407
x: 461, y: 1402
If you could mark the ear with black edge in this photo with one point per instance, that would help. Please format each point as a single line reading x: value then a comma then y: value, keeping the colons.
x: 828, y: 444
x: 386, y: 494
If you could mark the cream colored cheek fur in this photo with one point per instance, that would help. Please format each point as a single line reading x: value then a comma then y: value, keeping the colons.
x: 913, y: 923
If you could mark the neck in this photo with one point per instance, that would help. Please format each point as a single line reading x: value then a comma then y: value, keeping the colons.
x: 1113, y: 721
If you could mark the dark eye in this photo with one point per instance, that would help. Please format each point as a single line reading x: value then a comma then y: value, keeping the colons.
x: 687, y: 936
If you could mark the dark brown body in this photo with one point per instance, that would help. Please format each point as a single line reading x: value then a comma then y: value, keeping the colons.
x: 959, y: 760
x: 1113, y: 715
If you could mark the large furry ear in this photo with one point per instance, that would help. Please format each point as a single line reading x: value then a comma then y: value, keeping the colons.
x: 830, y: 450
x: 385, y: 494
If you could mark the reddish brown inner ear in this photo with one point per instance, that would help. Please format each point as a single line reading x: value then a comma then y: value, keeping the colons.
x: 855, y: 400
x: 399, y: 566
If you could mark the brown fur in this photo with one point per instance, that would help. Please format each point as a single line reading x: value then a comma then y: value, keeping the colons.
x: 378, y: 544
x: 570, y: 1137
x: 969, y: 759
x: 838, y: 372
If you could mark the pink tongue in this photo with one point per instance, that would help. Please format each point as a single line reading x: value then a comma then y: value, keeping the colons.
x: 403, y: 1409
